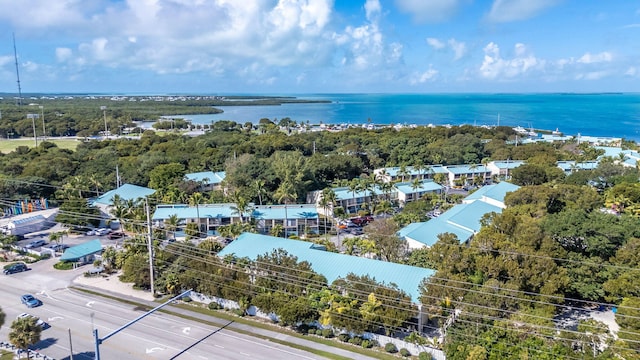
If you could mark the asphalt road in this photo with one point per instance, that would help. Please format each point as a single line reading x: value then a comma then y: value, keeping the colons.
x: 158, y: 336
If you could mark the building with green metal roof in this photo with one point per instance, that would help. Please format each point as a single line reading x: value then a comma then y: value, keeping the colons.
x: 126, y: 192
x: 84, y: 253
x: 462, y: 220
x: 331, y: 265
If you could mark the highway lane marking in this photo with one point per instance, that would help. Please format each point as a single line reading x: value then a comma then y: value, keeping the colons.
x: 299, y: 356
x: 90, y: 303
x: 245, y: 354
x: 152, y: 350
x: 218, y: 346
x: 54, y: 318
x: 186, y: 330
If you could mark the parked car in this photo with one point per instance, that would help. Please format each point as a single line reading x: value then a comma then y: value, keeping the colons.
x: 91, y: 233
x: 39, y: 321
x: 116, y: 235
x: 36, y: 244
x: 102, y: 231
x: 59, y: 247
x: 15, y: 268
x: 30, y: 301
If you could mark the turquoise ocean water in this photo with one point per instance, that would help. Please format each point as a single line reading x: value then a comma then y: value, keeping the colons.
x: 608, y: 114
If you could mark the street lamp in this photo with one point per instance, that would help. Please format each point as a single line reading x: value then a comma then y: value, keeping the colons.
x: 104, y: 112
x: 33, y: 118
x: 44, y: 130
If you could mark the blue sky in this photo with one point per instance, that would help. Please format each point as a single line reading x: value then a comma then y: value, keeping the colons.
x: 320, y: 46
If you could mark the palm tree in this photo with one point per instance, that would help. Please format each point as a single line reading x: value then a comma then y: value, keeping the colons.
x: 25, y: 332
x: 403, y: 171
x: 242, y: 205
x: 195, y: 200
x: 331, y: 198
x: 171, y: 224
x: 284, y: 194
x: 97, y: 185
x: 118, y: 210
x: 354, y: 186
x: 415, y: 185
x: 276, y: 230
x: 258, y: 187
x: 473, y: 168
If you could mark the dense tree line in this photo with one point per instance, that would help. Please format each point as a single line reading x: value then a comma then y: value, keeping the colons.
x: 551, y: 249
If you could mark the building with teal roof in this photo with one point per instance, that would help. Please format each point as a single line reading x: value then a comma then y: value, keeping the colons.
x: 331, y: 265
x: 502, y: 169
x: 462, y: 220
x: 492, y: 194
x: 352, y: 201
x: 84, y: 253
x: 408, y: 173
x: 572, y: 166
x: 126, y: 192
x: 300, y: 218
x: 209, y: 180
x: 461, y: 175
x: 408, y: 191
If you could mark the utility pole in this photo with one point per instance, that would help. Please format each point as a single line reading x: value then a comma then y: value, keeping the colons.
x: 44, y: 130
x: 33, y: 122
x: 70, y: 346
x: 150, y: 244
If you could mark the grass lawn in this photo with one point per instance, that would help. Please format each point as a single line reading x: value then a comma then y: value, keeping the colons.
x: 6, y: 355
x: 7, y: 146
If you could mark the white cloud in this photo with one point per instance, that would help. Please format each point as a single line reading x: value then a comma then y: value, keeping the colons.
x: 63, y: 54
x: 495, y: 67
x: 459, y: 48
x: 435, y: 43
x: 514, y: 10
x: 631, y: 71
x: 426, y: 76
x: 429, y: 10
x: 592, y: 75
x: 372, y: 9
x: 589, y: 58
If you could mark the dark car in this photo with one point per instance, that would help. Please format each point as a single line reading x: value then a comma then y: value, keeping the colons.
x: 30, y: 300
x: 15, y: 268
x: 115, y: 235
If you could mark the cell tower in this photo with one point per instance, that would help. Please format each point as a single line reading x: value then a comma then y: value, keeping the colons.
x: 15, y: 55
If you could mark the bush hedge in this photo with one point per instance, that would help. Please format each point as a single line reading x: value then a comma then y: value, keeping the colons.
x: 391, y: 348
x: 404, y: 352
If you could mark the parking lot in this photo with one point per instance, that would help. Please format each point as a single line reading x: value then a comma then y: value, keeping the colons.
x: 66, y: 240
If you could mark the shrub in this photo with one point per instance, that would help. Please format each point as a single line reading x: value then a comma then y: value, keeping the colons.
x: 404, y: 352
x: 63, y: 265
x: 214, y: 306
x: 425, y: 356
x: 367, y: 344
x: 186, y: 299
x: 303, y: 329
x: 327, y: 333
x: 356, y: 340
x: 374, y: 343
x: 391, y: 348
x: 239, y: 312
x: 344, y: 337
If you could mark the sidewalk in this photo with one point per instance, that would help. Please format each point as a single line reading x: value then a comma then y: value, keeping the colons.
x: 112, y: 286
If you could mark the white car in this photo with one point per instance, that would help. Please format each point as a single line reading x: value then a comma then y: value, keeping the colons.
x: 102, y: 231
x: 39, y: 321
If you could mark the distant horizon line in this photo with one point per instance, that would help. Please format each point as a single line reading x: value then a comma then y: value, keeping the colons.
x: 277, y: 94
